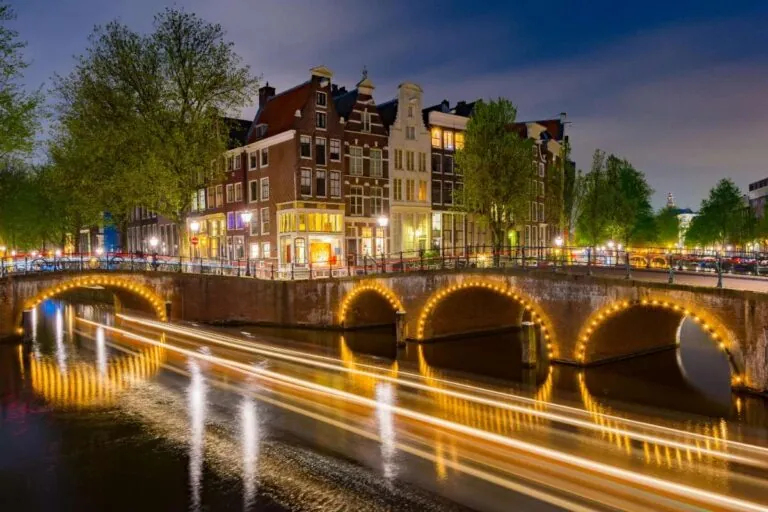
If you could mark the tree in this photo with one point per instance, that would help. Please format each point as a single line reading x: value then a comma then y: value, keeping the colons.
x: 573, y: 184
x: 596, y: 200
x: 19, y: 110
x: 724, y: 218
x: 144, y: 114
x: 631, y: 212
x: 498, y: 169
x: 667, y: 226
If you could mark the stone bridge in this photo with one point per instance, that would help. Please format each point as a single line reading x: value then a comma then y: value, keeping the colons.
x: 579, y: 319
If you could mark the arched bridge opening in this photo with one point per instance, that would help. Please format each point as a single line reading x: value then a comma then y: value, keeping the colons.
x: 369, y: 305
x: 627, y: 329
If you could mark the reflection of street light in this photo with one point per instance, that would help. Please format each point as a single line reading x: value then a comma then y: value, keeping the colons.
x: 246, y: 216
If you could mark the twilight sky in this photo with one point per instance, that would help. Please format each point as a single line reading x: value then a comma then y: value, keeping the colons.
x: 679, y: 88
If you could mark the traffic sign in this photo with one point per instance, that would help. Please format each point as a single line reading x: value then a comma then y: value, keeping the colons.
x: 194, y: 240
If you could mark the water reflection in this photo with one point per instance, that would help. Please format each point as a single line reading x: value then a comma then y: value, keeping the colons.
x: 196, y: 398
x: 386, y: 420
x: 101, y: 350
x: 250, y: 439
x: 61, y: 351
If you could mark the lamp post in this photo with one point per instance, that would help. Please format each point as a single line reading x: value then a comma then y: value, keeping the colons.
x: 153, y: 243
x: 194, y: 227
x: 247, y: 216
x: 559, y: 244
x: 383, y: 222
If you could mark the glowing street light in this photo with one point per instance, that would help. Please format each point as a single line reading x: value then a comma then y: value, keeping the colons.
x: 194, y: 226
x: 383, y: 221
x: 33, y: 254
x: 559, y: 241
x: 57, y: 253
x: 610, y: 244
x: 99, y: 251
x: 153, y: 242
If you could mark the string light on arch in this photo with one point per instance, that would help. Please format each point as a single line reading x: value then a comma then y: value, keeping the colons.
x: 501, y: 289
x: 383, y: 291
x: 604, y: 314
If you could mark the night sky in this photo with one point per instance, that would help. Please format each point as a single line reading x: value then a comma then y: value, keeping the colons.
x: 679, y: 88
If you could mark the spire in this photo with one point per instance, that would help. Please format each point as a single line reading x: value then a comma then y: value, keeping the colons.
x: 365, y: 85
x: 670, y: 200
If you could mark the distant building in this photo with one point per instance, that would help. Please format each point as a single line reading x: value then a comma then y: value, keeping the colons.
x: 758, y: 192
x: 684, y: 216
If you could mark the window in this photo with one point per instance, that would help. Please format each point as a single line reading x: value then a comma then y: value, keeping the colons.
x: 230, y: 220
x: 320, y: 155
x: 238, y: 192
x: 377, y: 200
x: 255, y: 223
x: 321, y: 99
x: 230, y: 163
x: 356, y: 200
x: 264, y: 157
x: 410, y: 110
x: 437, y: 161
x: 265, y: 250
x: 376, y: 167
x: 265, y: 189
x: 366, y: 121
x: 306, y: 146
x: 532, y: 212
x: 541, y: 188
x: 254, y: 252
x: 410, y: 132
x: 253, y: 160
x: 541, y: 169
x: 320, y: 183
x: 254, y: 191
x: 437, y: 137
x: 237, y: 162
x: 398, y: 159
x: 422, y: 190
x: 193, y: 204
x: 321, y: 120
x: 356, y: 160
x: 459, y: 140
x: 300, y: 252
x: 398, y: 192
x: 448, y: 166
x: 219, y: 195
x: 448, y: 139
x: 335, y: 184
x: 448, y: 194
x: 201, y: 199
x: 437, y: 192
x: 265, y: 223
x: 409, y: 163
x: 230, y: 193
x: 305, y: 186
x: 541, y: 212
x: 211, y: 197
x: 335, y: 150
x: 410, y: 187
x: 422, y: 162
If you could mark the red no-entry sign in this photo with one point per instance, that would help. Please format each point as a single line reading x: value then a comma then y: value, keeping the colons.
x: 193, y: 240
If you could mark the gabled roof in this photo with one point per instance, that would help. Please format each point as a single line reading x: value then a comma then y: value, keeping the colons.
x: 553, y: 126
x: 279, y: 113
x: 345, y: 103
x: 388, y: 112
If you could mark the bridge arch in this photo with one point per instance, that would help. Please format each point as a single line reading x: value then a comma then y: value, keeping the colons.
x: 526, y: 309
x: 667, y: 315
x: 132, y: 286
x: 369, y: 304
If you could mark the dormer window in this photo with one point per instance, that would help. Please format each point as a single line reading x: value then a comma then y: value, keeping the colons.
x: 321, y: 99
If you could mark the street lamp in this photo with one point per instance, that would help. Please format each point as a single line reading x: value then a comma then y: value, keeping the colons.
x: 99, y: 251
x: 246, y: 216
x: 57, y: 253
x: 559, y: 241
x: 153, y: 242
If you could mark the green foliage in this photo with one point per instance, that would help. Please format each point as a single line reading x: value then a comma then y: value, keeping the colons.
x: 667, y: 227
x: 724, y: 218
x: 20, y: 111
x: 142, y: 116
x: 573, y: 183
x: 498, y: 168
x: 595, y: 196
x: 24, y: 223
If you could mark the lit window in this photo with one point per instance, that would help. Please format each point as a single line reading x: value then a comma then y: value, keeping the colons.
x: 320, y: 151
x: 265, y: 250
x: 320, y: 183
x: 335, y: 184
x: 356, y: 160
x: 410, y: 187
x: 437, y: 137
x: 335, y: 150
x: 255, y: 223
x: 230, y: 220
x: 306, y: 182
x: 264, y: 157
x: 459, y: 140
x: 376, y: 164
x: 301, y: 250
x: 321, y: 99
x: 306, y: 146
x: 356, y: 200
x: 265, y: 189
x: 422, y: 190
x: 448, y: 139
x: 321, y: 120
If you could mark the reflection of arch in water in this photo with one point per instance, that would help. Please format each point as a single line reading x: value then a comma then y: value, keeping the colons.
x: 358, y: 380
x: 672, y: 312
x: 362, y: 306
x: 106, y: 281
x: 527, y: 309
x: 83, y: 385
x: 661, y: 455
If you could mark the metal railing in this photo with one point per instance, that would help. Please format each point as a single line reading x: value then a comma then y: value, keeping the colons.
x: 584, y: 259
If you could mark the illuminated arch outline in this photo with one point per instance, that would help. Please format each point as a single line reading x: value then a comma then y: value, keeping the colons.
x: 157, y: 302
x: 709, y: 323
x: 501, y: 289
x: 383, y: 291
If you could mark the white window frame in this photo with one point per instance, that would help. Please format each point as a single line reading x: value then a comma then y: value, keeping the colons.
x: 397, y: 189
x: 449, y: 185
x: 229, y: 195
x: 266, y: 249
x: 308, y: 140
x: 422, y: 161
x: 262, y: 181
x: 356, y: 161
x: 238, y: 192
x: 304, y: 171
x: 353, y: 201
x: 337, y: 144
x: 410, y: 160
x: 261, y: 218
x: 337, y: 176
x: 318, y: 117
x: 251, y: 198
x: 325, y: 178
x: 253, y: 158
x: 321, y: 141
x: 376, y: 165
x: 264, y: 153
x: 324, y: 103
x: 366, y: 119
x: 410, y: 132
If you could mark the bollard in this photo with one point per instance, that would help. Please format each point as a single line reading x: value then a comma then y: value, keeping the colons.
x: 401, y: 328
x: 529, y: 344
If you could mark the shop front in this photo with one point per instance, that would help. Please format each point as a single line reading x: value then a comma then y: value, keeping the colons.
x: 311, y: 236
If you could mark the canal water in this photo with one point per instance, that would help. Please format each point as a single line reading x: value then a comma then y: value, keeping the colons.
x: 156, y: 439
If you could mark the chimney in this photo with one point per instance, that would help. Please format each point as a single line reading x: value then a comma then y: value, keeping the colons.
x: 265, y: 93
